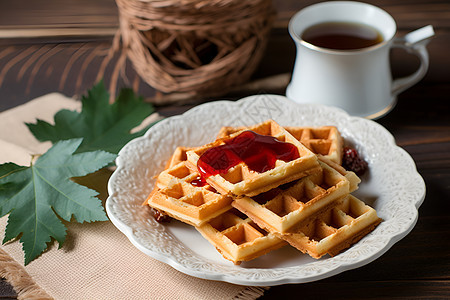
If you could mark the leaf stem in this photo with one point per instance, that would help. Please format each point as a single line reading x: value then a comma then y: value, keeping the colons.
x: 34, y: 158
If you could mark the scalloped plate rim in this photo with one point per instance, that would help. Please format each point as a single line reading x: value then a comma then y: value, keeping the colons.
x: 127, y: 229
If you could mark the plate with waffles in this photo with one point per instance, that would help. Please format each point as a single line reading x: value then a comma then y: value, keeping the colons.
x: 256, y: 193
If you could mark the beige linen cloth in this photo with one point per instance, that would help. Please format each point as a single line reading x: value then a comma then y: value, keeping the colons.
x: 97, y: 261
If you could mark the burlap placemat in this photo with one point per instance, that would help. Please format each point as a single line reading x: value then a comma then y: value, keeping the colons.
x: 97, y: 261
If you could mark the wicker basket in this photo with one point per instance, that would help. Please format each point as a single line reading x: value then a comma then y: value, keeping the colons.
x: 195, y: 46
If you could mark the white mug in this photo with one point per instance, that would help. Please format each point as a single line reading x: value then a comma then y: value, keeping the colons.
x: 358, y: 81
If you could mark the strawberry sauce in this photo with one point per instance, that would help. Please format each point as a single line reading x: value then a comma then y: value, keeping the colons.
x: 258, y: 152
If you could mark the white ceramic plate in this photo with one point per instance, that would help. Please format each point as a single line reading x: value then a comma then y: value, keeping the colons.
x: 392, y: 186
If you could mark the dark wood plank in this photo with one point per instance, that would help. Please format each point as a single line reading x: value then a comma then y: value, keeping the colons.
x: 398, y: 289
x: 48, y: 14
x: 409, y: 14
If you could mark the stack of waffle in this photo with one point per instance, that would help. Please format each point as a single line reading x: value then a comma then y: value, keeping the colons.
x: 304, y: 201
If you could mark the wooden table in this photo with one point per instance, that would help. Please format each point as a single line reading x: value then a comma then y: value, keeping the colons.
x: 35, y: 59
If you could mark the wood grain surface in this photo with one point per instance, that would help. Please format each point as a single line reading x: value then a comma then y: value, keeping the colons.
x: 61, y: 46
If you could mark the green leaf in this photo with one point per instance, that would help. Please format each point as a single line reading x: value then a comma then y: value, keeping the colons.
x: 37, y: 197
x: 103, y: 126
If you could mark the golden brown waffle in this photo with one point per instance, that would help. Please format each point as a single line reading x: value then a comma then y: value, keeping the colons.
x: 352, y: 178
x: 178, y: 195
x: 299, y: 203
x: 334, y: 230
x: 178, y: 156
x: 240, y: 180
x: 176, y: 173
x: 324, y: 140
x: 238, y: 238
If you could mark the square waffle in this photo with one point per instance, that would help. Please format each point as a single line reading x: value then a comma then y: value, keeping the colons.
x: 240, y: 180
x: 178, y: 156
x: 352, y: 178
x: 178, y: 196
x: 238, y: 238
x: 324, y: 140
x: 334, y: 230
x: 299, y: 203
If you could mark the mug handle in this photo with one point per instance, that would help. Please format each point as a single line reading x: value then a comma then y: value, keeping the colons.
x: 414, y: 42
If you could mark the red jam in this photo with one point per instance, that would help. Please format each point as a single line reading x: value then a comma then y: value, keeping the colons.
x: 258, y: 152
x: 198, y: 181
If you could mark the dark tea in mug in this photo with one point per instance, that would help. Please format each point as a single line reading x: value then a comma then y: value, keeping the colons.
x: 342, y: 35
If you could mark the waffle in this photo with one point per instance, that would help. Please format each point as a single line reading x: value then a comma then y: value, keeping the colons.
x: 300, y: 202
x: 324, y: 140
x: 178, y: 196
x: 352, y: 178
x: 334, y: 230
x: 175, y: 170
x: 238, y: 238
x: 241, y: 180
x: 178, y: 156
